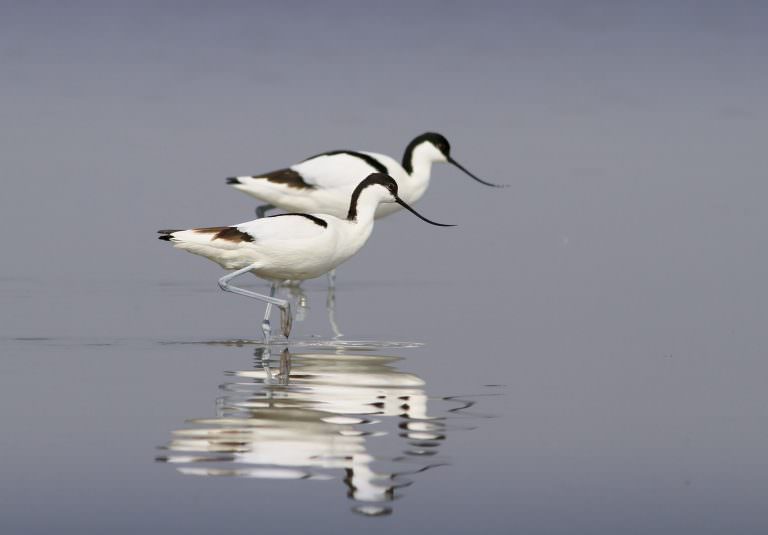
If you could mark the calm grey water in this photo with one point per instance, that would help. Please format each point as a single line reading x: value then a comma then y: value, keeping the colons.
x: 585, y: 352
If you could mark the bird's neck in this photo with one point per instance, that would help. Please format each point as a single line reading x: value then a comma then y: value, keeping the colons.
x: 359, y: 223
x: 417, y: 162
x: 362, y: 207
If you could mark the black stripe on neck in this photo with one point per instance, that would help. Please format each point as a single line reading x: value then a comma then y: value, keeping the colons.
x: 408, y: 156
x: 374, y: 178
x: 352, y: 213
x: 367, y: 158
x: 316, y: 220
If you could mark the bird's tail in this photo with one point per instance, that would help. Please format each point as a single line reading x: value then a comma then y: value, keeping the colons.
x: 167, y: 234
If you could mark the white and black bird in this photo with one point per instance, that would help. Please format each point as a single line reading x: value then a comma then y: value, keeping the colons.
x: 323, y: 183
x: 291, y: 246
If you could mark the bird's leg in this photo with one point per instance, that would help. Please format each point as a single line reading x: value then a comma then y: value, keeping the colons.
x: 261, y: 211
x: 286, y: 320
x: 297, y: 293
x: 330, y: 305
x: 332, y: 279
x: 285, y: 306
x: 266, y: 328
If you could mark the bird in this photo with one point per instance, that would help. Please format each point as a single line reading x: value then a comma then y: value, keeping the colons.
x: 294, y: 246
x: 322, y: 183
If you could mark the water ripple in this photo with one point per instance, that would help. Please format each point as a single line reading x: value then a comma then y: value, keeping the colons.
x: 353, y: 418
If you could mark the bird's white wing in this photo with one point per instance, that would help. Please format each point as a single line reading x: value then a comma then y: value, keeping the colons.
x: 342, y: 169
x: 284, y: 227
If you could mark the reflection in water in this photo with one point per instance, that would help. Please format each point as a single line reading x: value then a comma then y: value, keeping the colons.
x: 322, y: 416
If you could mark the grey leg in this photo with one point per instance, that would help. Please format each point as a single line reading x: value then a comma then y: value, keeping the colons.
x: 265, y: 326
x: 332, y: 278
x: 285, y: 307
x: 330, y: 305
x: 261, y: 211
x: 301, y: 302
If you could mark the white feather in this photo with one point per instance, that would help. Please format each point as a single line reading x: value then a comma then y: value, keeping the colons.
x: 289, y: 246
x: 333, y: 177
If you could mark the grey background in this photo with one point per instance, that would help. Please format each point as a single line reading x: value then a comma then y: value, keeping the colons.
x: 616, y: 289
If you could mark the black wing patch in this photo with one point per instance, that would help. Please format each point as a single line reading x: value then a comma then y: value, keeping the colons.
x: 316, y: 220
x: 286, y: 176
x: 226, y: 233
x: 367, y: 158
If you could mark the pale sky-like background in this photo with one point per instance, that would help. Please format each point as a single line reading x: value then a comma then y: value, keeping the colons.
x: 617, y: 288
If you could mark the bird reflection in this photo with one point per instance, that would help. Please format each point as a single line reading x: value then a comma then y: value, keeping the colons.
x: 316, y: 416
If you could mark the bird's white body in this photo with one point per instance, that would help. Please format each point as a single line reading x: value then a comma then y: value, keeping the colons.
x: 329, y: 180
x: 284, y: 247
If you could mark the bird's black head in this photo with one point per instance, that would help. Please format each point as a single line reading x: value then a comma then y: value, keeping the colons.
x: 443, y: 154
x: 377, y: 181
x: 438, y: 140
x: 382, y: 179
x: 439, y: 149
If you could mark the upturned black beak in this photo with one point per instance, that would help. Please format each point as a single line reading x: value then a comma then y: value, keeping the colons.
x: 233, y: 180
x: 402, y: 203
x: 457, y: 164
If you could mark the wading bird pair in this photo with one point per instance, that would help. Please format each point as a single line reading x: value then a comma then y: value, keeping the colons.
x: 331, y: 216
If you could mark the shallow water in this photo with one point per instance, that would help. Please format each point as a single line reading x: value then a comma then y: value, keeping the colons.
x: 98, y: 428
x: 510, y: 430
